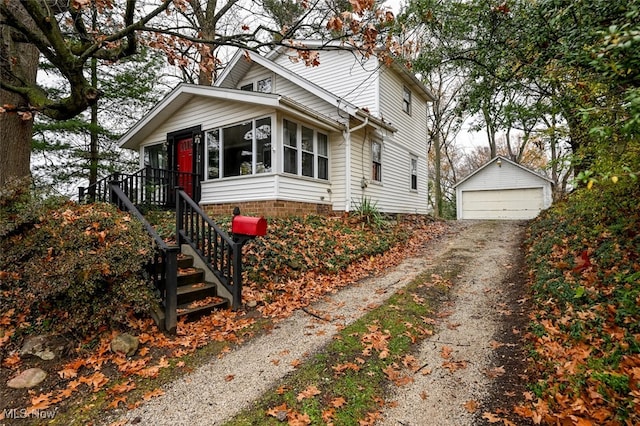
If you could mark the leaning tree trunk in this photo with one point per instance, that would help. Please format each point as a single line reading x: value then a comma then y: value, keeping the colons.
x: 16, y: 59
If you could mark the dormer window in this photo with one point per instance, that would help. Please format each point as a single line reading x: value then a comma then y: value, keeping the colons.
x: 406, y: 100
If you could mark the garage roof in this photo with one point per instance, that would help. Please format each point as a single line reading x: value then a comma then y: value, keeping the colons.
x: 503, y: 159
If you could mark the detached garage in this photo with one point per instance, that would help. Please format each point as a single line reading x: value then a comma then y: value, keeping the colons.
x: 502, y: 189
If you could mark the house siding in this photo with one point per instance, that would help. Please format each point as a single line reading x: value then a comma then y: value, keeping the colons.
x: 202, y: 111
x: 394, y: 192
x: 287, y: 88
x: 342, y: 73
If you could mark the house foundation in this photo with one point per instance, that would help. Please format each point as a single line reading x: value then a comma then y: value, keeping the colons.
x: 268, y: 208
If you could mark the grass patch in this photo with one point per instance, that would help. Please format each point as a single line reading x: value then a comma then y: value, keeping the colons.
x: 346, y: 381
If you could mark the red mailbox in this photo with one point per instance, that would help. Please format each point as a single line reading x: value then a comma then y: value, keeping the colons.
x: 248, y: 225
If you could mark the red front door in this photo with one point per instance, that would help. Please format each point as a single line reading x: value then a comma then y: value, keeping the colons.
x: 185, y: 165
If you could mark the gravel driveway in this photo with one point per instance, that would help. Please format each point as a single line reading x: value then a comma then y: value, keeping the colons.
x: 478, y: 325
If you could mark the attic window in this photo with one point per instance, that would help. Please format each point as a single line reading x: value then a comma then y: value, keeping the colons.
x: 264, y: 85
x: 247, y: 87
x: 406, y: 100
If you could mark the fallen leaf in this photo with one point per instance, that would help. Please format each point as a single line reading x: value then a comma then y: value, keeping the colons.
x: 471, y: 406
x: 495, y: 372
x: 116, y: 401
x: 328, y: 415
x: 152, y: 394
x: 280, y: 412
x: 338, y: 402
x: 490, y: 417
x: 454, y: 365
x: 123, y: 387
x: 298, y: 419
x: 446, y: 352
x: 309, y: 392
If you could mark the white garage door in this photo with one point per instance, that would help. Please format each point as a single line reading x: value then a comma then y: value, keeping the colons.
x: 502, y: 204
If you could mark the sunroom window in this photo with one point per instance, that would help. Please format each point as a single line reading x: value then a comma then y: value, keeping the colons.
x: 241, y: 149
x: 305, y: 151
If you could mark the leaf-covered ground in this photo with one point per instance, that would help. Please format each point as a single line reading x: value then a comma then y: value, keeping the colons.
x: 584, y: 257
x: 299, y: 261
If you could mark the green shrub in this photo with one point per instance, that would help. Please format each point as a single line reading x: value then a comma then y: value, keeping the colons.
x: 71, y: 268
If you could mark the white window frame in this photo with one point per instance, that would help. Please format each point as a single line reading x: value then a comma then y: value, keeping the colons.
x: 254, y: 147
x: 413, y: 173
x: 376, y: 166
x: 255, y: 84
x: 300, y: 151
x: 406, y: 99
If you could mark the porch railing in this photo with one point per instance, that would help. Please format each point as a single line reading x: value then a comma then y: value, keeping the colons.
x: 214, y: 247
x: 164, y: 266
x: 149, y: 186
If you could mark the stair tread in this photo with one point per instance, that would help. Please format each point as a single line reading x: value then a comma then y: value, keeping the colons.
x: 208, y: 303
x: 189, y: 288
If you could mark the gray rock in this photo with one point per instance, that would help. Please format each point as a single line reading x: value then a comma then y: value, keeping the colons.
x: 125, y: 343
x: 27, y: 379
x: 42, y: 346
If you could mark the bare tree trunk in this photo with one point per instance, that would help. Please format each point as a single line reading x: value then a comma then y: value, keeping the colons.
x: 16, y: 58
x: 491, y: 133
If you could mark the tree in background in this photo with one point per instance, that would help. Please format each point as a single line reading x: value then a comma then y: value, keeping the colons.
x: 85, y: 148
x: 69, y: 38
x: 541, y: 67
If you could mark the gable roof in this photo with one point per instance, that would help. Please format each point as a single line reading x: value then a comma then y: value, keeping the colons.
x: 242, y: 60
x: 183, y: 93
x: 503, y: 159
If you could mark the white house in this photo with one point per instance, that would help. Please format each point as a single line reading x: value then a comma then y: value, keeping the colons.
x: 276, y: 137
x: 502, y: 189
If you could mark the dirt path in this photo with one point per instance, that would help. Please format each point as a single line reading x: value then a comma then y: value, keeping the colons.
x: 475, y: 315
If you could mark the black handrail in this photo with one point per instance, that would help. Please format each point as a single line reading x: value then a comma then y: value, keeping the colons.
x: 99, y: 191
x: 148, y: 186
x: 215, y: 248
x: 164, y: 267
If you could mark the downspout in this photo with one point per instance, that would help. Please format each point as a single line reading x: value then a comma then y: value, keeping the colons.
x: 346, y: 134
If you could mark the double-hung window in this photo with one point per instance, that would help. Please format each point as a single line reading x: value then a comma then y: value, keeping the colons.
x: 305, y: 151
x: 290, y: 132
x: 406, y: 100
x: 376, y: 161
x: 413, y: 170
x: 241, y: 149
